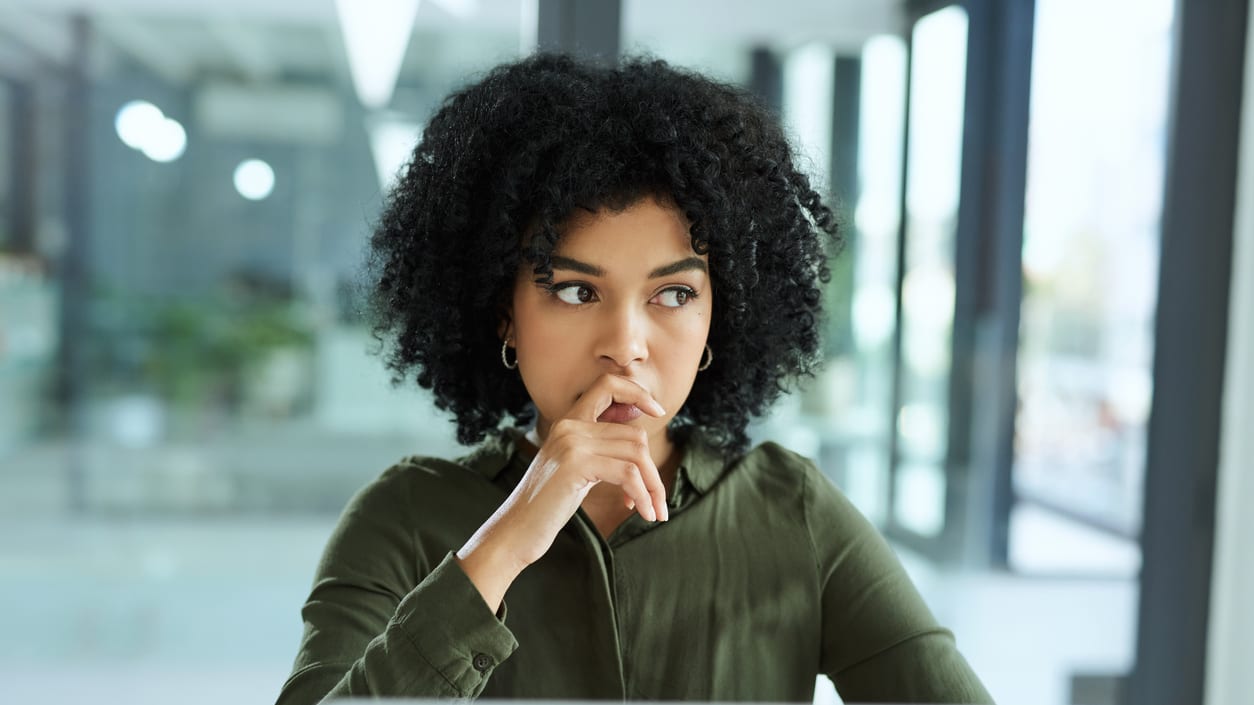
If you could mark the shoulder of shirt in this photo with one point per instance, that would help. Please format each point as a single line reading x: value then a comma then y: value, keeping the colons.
x: 772, y: 457
x: 422, y: 468
x: 773, y: 471
x: 784, y: 465
x: 706, y: 466
x: 778, y: 454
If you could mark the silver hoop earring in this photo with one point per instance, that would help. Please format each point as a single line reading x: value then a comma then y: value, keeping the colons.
x: 709, y: 357
x: 505, y: 360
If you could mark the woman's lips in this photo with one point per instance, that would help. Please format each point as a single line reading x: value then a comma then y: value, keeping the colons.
x: 620, y: 413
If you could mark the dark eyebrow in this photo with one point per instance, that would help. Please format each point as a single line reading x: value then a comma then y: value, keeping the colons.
x: 682, y: 265
x: 559, y: 262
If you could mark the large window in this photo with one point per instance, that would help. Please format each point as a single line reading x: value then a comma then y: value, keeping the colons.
x: 873, y: 271
x: 1090, y: 261
x: 933, y: 177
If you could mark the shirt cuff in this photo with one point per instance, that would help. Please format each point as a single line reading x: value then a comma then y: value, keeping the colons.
x: 452, y: 628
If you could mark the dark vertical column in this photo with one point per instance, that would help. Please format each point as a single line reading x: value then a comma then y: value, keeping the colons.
x: 987, y: 272
x: 589, y: 30
x: 1190, y: 341
x: 766, y: 78
x: 846, y: 106
x: 843, y: 176
x: 998, y: 292
x: 74, y: 274
x: 977, y: 196
x: 897, y: 392
x: 23, y: 167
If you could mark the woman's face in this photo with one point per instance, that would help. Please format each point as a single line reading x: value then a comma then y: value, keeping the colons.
x: 629, y: 297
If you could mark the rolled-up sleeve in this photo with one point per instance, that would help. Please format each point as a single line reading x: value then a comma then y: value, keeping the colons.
x: 375, y: 626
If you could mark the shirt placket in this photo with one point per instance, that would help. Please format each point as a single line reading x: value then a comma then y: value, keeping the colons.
x: 604, y: 598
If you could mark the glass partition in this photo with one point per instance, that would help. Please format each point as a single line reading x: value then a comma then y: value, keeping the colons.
x: 1096, y: 154
x: 933, y: 175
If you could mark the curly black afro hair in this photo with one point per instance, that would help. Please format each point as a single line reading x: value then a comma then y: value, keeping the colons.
x: 533, y: 141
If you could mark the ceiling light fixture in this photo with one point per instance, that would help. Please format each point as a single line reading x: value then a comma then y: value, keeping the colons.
x: 254, y: 179
x: 143, y: 127
x: 376, y: 35
x: 167, y: 141
x: 137, y: 120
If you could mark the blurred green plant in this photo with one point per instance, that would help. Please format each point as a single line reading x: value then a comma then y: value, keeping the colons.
x: 192, y: 353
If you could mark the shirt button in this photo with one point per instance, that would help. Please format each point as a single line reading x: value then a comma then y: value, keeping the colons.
x: 481, y: 662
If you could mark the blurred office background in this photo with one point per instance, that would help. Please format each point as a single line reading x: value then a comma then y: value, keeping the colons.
x: 1038, y: 380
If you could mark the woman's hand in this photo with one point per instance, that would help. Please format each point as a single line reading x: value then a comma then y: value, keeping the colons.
x: 578, y: 453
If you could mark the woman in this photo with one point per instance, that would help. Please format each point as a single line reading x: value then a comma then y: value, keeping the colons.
x: 627, y: 263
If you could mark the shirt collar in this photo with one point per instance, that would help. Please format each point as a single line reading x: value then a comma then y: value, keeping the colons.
x: 702, y: 463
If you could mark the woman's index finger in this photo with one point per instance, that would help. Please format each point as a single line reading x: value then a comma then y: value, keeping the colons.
x: 609, y: 389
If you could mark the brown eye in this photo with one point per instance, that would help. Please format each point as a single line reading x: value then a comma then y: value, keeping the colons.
x: 677, y: 297
x: 575, y: 294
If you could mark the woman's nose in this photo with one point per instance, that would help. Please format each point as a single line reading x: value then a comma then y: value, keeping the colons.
x: 623, y: 338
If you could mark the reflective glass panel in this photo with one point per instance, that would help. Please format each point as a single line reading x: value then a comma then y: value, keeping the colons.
x: 1090, y: 262
x: 933, y: 174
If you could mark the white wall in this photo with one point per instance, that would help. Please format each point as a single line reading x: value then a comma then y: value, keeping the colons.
x: 1231, y: 648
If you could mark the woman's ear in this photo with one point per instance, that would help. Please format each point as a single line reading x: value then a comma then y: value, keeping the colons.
x: 505, y: 328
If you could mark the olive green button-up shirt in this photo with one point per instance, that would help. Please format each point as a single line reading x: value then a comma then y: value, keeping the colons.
x: 764, y: 576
